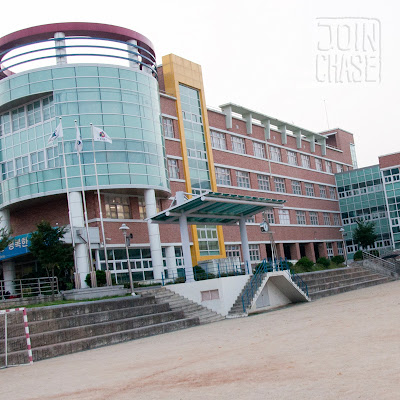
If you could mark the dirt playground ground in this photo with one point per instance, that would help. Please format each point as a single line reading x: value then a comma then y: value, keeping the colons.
x: 342, y: 347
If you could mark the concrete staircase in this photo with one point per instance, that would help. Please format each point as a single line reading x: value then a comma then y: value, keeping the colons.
x: 180, y: 303
x: 65, y: 329
x: 334, y: 281
x: 237, y: 309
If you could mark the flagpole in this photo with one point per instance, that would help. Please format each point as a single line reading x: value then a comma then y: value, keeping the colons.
x: 76, y: 273
x: 108, y: 274
x: 85, y: 212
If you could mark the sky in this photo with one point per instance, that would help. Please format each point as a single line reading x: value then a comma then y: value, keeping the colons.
x: 314, y: 63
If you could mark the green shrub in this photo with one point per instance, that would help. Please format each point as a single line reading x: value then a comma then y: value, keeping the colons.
x: 358, y: 255
x: 337, y: 259
x: 324, y: 262
x: 100, y: 277
x: 303, y: 265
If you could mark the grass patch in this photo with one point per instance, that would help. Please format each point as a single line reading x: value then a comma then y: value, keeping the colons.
x: 60, y: 302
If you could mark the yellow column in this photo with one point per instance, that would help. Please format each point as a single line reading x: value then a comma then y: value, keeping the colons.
x: 177, y: 70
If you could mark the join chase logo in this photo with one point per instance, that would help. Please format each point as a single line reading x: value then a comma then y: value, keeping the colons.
x: 348, y: 50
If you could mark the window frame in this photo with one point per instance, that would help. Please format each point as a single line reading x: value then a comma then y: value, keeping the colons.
x: 238, y: 145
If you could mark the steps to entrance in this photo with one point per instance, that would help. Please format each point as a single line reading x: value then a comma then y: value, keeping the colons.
x: 330, y: 282
x: 180, y: 303
x: 65, y: 329
x: 237, y: 309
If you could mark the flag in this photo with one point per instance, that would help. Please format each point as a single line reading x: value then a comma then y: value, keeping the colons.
x: 56, y: 134
x: 100, y: 136
x: 78, y: 141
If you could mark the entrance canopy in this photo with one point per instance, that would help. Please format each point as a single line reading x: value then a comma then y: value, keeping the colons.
x: 215, y: 209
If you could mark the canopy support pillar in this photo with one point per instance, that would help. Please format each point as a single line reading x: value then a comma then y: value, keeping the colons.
x: 187, y: 257
x: 245, y: 246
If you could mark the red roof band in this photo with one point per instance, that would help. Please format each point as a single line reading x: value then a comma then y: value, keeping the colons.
x: 43, y: 32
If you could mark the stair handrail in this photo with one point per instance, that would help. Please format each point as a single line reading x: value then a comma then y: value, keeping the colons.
x: 255, y: 281
x: 299, y: 282
x: 388, y: 266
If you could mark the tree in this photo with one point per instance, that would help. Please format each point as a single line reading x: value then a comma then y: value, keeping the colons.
x: 53, y: 255
x: 5, y: 238
x: 364, y: 233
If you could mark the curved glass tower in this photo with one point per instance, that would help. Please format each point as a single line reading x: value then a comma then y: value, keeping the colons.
x: 122, y: 100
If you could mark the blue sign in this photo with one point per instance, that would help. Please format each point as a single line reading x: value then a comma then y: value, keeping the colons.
x: 17, y: 247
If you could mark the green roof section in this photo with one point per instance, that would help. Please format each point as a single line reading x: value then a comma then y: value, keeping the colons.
x: 216, y: 208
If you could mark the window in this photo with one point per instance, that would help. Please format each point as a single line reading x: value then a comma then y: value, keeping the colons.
x: 284, y: 218
x: 309, y: 189
x: 168, y: 127
x: 5, y: 124
x: 243, y: 179
x: 263, y: 182
x: 353, y: 155
x: 117, y: 207
x: 21, y: 165
x: 327, y: 218
x: 313, y: 218
x: 329, y: 249
x: 18, y: 119
x: 296, y: 187
x: 318, y: 164
x: 37, y: 161
x: 254, y: 252
x: 34, y: 113
x: 8, y: 170
x: 336, y: 220
x: 339, y: 167
x: 218, y: 140
x: 223, y: 176
x: 251, y: 220
x: 173, y: 169
x: 292, y: 157
x: 270, y: 216
x: 142, y: 207
x: 48, y: 108
x: 280, y: 185
x: 275, y: 153
x: 232, y: 251
x: 328, y: 166
x: 208, y: 240
x: 210, y: 295
x: 322, y: 191
x: 301, y: 217
x: 259, y: 150
x: 305, y: 161
x: 332, y: 193
x: 340, y: 248
x: 29, y: 115
x: 238, y: 145
x: 52, y: 157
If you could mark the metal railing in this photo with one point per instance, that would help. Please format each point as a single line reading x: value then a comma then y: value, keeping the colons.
x: 24, y: 288
x: 203, y: 272
x: 254, y: 283
x: 299, y: 282
x: 387, y: 267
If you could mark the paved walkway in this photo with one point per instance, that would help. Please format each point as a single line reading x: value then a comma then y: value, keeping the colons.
x: 343, y: 347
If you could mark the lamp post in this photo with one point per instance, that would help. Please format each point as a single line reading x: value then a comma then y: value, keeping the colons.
x: 341, y: 230
x: 124, y: 230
